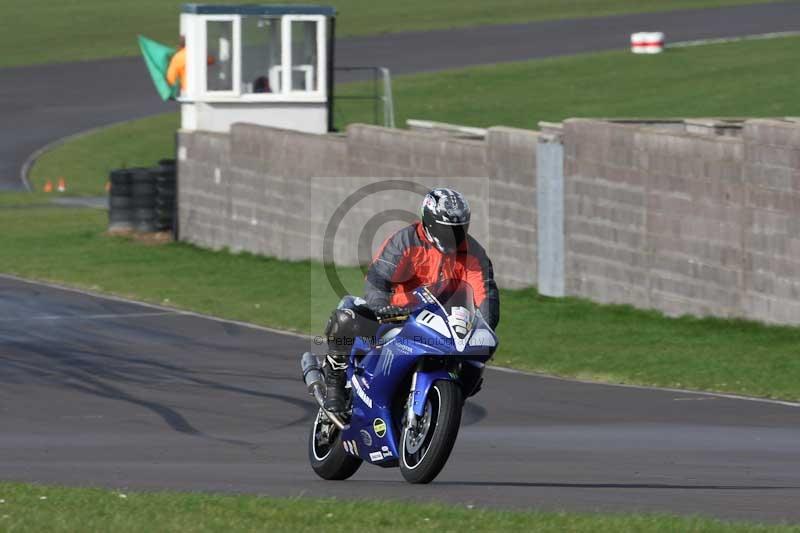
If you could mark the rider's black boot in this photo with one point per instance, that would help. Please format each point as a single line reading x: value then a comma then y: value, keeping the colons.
x: 335, y: 379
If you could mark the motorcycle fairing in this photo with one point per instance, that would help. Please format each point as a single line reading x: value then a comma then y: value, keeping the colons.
x: 378, y: 371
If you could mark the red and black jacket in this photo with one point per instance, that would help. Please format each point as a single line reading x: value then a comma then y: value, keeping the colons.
x: 407, y: 261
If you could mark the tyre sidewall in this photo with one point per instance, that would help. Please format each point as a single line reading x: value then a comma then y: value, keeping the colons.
x: 444, y: 435
x: 337, y: 464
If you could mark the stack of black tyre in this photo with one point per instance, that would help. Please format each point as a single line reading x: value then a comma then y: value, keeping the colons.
x: 120, y: 213
x: 165, y: 194
x: 143, y: 199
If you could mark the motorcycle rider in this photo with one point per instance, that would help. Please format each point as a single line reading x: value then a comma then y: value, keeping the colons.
x: 437, y: 247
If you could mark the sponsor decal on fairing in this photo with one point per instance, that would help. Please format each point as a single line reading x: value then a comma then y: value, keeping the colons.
x: 360, y: 392
x: 379, y: 427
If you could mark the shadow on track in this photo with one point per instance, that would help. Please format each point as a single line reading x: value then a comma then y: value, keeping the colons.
x: 97, y: 365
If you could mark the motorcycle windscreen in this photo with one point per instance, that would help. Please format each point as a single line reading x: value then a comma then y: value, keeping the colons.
x: 457, y: 299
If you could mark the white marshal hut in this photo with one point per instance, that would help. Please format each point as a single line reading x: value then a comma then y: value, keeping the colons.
x: 261, y: 64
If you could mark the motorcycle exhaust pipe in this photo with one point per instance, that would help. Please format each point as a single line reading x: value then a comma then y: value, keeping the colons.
x: 315, y: 381
x: 312, y: 372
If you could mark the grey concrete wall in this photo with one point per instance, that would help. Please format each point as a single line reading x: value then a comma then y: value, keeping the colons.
x: 771, y: 236
x: 699, y: 217
x: 686, y: 223
x: 511, y: 160
x: 274, y: 192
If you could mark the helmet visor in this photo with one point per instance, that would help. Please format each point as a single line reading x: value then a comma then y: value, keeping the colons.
x: 449, y: 237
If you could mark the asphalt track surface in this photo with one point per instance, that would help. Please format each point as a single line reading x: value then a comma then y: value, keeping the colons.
x: 95, y: 391
x: 40, y: 104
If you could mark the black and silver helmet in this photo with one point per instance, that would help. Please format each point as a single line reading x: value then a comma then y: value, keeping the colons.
x: 445, y: 216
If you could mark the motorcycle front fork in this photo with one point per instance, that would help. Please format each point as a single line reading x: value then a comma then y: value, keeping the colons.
x: 411, y: 416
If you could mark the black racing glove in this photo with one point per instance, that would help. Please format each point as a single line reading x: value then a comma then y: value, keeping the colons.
x: 391, y: 313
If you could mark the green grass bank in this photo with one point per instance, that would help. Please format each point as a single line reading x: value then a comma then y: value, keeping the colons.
x: 716, y: 80
x: 569, y: 337
x: 41, y: 31
x: 37, y: 508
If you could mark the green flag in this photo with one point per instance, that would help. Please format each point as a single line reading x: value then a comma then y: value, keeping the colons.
x: 157, y: 57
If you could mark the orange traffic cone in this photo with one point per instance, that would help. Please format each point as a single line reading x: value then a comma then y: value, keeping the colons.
x: 48, y: 186
x: 62, y: 185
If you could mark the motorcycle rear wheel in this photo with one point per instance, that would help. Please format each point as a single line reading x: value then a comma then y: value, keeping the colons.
x: 328, y: 459
x: 425, y: 448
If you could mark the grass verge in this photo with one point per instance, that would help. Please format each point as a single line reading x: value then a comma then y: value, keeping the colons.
x: 715, y: 80
x: 86, y: 160
x: 40, y: 31
x: 569, y: 337
x: 37, y: 508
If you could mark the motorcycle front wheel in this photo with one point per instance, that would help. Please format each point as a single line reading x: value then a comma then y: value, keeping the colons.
x: 426, y: 446
x: 326, y: 452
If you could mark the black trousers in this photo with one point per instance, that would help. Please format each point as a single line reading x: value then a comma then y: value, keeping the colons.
x: 351, y: 319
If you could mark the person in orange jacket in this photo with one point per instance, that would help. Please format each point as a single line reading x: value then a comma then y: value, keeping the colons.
x: 176, y: 72
x: 438, y: 247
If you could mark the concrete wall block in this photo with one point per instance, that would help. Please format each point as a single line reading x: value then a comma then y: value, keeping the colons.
x: 773, y: 200
x: 662, y: 164
x: 775, y: 244
x: 289, y: 153
x: 771, y: 132
x: 770, y: 309
x: 508, y: 248
x: 472, y: 164
x: 673, y: 305
x: 602, y: 132
x: 518, y: 214
x: 724, y: 170
x: 768, y: 222
x: 589, y: 247
x: 765, y: 243
x: 623, y: 214
x: 769, y: 284
x: 599, y: 267
x: 203, y: 146
x: 787, y: 267
x: 398, y: 155
x: 713, y: 298
x: 719, y: 232
x: 697, y: 269
x: 727, y: 214
x: 714, y: 253
x: 610, y: 233
x: 512, y: 193
x: 671, y: 204
x: 769, y: 155
x: 605, y: 291
x: 772, y: 177
x: 518, y: 263
x: 607, y: 171
x: 511, y: 155
x: 695, y: 211
x: 414, y: 153
x: 720, y: 148
x: 525, y: 235
x: 618, y: 192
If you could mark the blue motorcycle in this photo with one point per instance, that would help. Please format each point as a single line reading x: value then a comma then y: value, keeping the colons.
x: 407, y: 388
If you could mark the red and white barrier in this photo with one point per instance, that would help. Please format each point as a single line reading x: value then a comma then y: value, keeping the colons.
x: 647, y: 43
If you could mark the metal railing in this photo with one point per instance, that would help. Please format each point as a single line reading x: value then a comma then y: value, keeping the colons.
x: 381, y: 79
